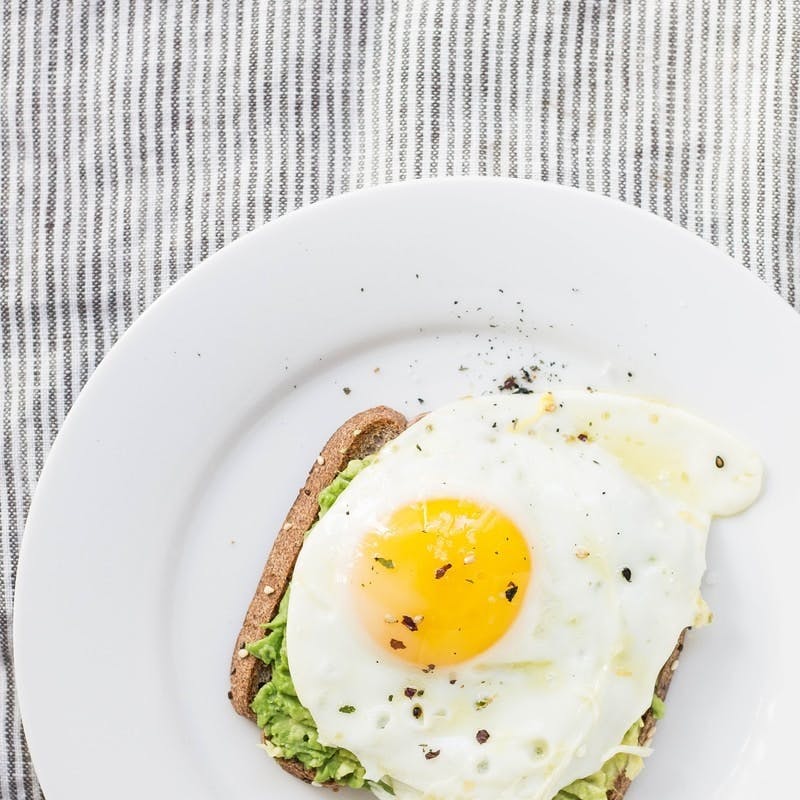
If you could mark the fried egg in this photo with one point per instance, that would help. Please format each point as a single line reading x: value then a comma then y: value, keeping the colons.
x: 484, y: 611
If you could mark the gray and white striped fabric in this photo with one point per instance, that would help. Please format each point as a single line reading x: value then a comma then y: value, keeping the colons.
x: 136, y: 138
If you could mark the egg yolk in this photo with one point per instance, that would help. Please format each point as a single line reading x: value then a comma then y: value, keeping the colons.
x: 442, y: 582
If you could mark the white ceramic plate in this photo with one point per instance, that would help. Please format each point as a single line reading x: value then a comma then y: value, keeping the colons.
x: 161, y: 496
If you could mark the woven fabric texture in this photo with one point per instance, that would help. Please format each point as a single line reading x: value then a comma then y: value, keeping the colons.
x: 137, y: 138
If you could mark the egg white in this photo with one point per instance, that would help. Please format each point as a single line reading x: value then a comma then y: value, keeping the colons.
x: 634, y: 484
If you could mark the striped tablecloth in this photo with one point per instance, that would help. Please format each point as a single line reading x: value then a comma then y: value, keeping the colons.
x: 136, y: 138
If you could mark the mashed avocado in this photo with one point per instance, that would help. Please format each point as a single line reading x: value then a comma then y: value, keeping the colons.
x: 594, y: 787
x: 290, y: 731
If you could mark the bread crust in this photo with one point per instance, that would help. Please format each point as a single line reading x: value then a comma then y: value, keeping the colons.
x: 362, y: 435
x: 623, y: 782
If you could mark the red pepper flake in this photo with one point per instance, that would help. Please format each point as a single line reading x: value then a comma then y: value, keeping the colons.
x: 482, y: 736
x: 583, y: 437
x: 511, y: 591
x: 409, y: 692
x: 440, y: 573
x: 397, y: 644
x: 432, y: 754
x: 409, y: 623
x: 429, y: 668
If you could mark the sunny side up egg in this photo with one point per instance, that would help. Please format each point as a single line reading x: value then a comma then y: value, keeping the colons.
x: 484, y: 611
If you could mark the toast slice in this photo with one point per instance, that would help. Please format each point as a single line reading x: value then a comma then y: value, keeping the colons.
x: 362, y: 435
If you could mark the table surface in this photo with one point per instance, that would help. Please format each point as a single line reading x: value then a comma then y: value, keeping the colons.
x: 137, y: 139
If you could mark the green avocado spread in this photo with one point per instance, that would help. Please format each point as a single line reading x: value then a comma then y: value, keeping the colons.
x: 290, y: 732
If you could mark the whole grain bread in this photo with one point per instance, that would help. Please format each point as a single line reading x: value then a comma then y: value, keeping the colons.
x: 362, y: 435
